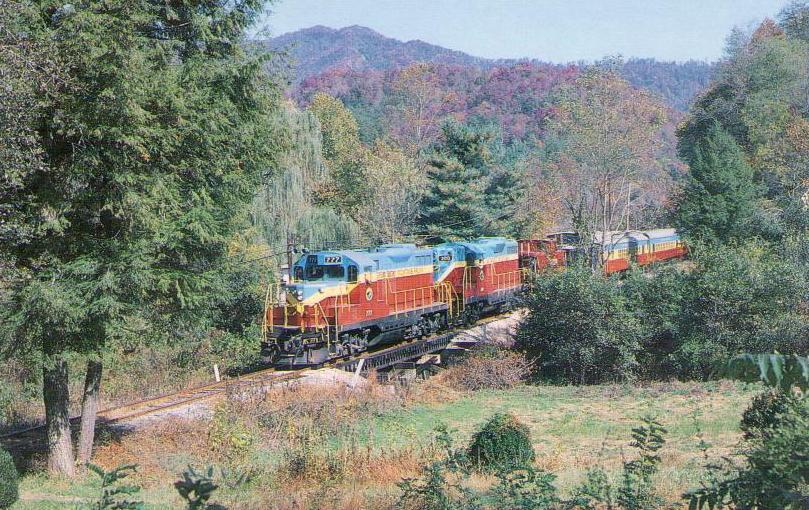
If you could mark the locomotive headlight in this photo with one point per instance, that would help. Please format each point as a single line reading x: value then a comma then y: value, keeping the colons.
x: 299, y: 294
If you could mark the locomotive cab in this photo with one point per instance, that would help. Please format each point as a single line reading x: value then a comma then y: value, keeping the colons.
x: 301, y: 318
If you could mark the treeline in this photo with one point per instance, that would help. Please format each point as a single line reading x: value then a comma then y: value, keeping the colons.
x: 743, y: 211
x: 367, y: 59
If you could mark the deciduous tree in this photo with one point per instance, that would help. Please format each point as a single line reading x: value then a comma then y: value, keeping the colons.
x: 609, y: 136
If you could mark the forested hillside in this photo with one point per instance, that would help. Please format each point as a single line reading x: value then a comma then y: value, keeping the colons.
x: 320, y: 49
x: 489, y: 152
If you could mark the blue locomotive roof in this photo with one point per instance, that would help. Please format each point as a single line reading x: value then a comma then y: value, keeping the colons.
x: 486, y: 247
x: 384, y: 258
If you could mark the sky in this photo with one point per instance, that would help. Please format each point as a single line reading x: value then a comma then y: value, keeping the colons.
x: 549, y: 30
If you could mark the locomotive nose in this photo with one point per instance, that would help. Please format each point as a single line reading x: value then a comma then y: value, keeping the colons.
x: 294, y: 295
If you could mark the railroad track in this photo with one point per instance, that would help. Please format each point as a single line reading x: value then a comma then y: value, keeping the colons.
x: 32, y: 439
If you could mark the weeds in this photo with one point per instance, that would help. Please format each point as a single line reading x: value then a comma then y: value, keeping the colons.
x: 488, y: 367
x: 229, y: 436
x: 526, y: 489
x: 636, y: 490
x: 114, y: 496
x: 196, y: 488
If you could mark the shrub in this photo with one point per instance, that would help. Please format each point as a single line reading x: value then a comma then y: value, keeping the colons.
x: 8, y: 480
x: 579, y: 328
x: 501, y: 444
x: 743, y: 298
x: 489, y: 367
x: 774, y: 473
x: 764, y: 412
x: 657, y: 300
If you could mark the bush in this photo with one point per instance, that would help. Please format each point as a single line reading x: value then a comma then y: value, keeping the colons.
x: 774, y: 472
x: 502, y: 443
x: 764, y: 412
x: 657, y: 300
x: 8, y: 480
x: 742, y: 298
x: 580, y: 328
x: 489, y: 367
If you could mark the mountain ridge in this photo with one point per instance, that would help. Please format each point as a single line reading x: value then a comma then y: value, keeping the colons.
x: 319, y: 49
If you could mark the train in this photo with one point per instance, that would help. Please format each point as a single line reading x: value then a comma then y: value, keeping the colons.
x: 336, y: 304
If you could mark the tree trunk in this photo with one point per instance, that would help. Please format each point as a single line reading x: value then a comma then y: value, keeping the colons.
x: 89, y: 409
x: 57, y: 418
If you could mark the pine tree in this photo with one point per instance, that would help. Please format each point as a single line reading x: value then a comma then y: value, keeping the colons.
x: 153, y: 142
x: 455, y: 204
x: 720, y: 197
x: 503, y: 198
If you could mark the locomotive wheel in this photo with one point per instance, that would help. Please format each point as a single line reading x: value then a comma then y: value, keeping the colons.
x: 269, y: 355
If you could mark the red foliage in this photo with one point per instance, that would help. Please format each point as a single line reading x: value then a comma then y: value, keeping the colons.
x: 517, y: 97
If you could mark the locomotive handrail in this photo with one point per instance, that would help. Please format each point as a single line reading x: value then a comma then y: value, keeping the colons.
x: 267, y: 310
x: 429, y: 300
x: 271, y: 301
x: 508, y: 279
x: 447, y: 294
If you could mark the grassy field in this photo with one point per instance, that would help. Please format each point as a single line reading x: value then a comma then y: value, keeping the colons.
x: 573, y: 429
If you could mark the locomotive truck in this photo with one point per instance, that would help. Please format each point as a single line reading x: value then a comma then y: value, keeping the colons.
x: 335, y: 304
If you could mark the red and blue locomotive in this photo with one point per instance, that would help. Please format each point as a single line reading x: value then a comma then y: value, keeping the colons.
x: 339, y: 303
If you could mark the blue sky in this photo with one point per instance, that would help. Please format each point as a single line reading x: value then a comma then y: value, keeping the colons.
x: 551, y: 30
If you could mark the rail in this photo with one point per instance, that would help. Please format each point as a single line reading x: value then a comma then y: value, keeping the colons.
x: 421, y: 297
x: 33, y: 438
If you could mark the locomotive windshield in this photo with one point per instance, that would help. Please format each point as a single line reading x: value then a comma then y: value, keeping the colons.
x: 314, y: 270
x: 319, y: 272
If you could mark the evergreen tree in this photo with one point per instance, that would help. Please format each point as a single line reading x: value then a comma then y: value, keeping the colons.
x: 152, y: 144
x: 503, y: 195
x: 455, y: 204
x: 720, y: 197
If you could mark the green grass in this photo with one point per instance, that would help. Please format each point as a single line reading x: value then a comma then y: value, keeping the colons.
x: 575, y: 428
x: 572, y: 428
x: 39, y: 492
